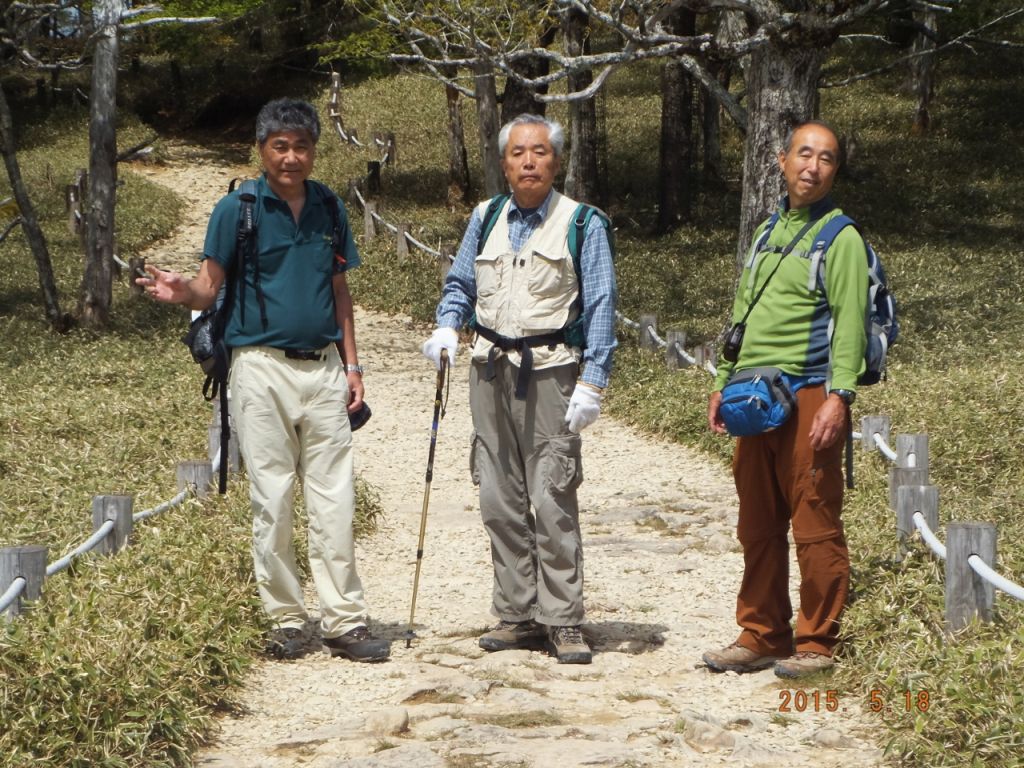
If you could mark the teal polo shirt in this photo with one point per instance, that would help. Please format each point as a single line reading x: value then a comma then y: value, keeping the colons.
x: 296, y: 269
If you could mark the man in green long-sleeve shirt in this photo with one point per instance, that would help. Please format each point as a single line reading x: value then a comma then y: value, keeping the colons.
x: 793, y: 474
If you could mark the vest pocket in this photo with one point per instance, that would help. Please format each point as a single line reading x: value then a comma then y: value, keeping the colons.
x: 548, y: 274
x: 487, y: 270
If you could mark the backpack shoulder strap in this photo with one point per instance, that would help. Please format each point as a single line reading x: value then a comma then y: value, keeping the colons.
x: 334, y: 207
x: 489, y: 218
x: 822, y: 242
x: 578, y: 231
x: 758, y: 245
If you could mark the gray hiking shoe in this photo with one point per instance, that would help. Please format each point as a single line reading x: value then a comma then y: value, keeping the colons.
x: 287, y: 643
x: 508, y: 635
x: 803, y: 663
x: 358, y: 645
x: 568, y: 645
x: 736, y: 658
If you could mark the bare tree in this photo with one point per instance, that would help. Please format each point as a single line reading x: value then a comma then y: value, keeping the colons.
x: 29, y: 221
x: 676, y: 148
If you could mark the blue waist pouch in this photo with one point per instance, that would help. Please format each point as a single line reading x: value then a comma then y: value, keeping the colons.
x: 756, y: 400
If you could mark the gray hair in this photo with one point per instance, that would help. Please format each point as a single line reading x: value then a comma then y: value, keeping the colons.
x: 287, y: 115
x: 792, y: 132
x: 555, y: 133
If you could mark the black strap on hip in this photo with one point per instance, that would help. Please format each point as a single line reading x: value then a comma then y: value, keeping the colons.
x: 524, y: 346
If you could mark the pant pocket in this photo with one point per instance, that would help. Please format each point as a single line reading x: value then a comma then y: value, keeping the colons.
x: 565, y: 464
x: 474, y: 452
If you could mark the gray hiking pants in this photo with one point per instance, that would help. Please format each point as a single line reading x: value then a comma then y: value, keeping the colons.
x: 523, y: 455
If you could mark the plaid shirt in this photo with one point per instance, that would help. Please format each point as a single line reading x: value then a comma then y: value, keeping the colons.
x: 458, y: 298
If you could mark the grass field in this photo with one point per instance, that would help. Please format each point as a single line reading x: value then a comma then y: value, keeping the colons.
x: 139, y: 650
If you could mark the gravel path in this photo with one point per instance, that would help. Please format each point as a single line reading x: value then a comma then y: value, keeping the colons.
x: 662, y: 568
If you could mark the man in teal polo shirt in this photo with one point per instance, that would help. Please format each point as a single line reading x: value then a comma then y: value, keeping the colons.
x: 293, y: 371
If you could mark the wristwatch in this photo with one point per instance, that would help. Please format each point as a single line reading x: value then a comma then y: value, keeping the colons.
x: 354, y: 369
x: 846, y: 395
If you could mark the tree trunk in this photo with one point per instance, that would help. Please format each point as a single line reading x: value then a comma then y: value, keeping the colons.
x: 29, y: 222
x: 711, y: 124
x: 97, y: 284
x: 781, y: 87
x: 517, y: 98
x: 458, y: 163
x: 675, y: 169
x: 487, y: 120
x: 582, y: 180
x: 922, y: 69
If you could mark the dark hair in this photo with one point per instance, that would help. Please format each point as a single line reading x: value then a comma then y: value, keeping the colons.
x: 287, y: 115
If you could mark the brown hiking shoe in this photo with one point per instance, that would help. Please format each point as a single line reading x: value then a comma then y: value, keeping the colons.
x: 736, y: 658
x: 509, y: 635
x: 568, y: 645
x: 803, y: 663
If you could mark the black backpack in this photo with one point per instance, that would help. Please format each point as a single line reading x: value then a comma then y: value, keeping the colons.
x: 205, y: 336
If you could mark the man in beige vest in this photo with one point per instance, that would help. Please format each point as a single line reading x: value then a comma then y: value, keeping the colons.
x: 544, y: 317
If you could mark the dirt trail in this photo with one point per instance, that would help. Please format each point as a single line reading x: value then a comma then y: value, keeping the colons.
x: 662, y: 568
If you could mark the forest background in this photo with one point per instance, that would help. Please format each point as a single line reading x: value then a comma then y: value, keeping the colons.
x: 676, y: 146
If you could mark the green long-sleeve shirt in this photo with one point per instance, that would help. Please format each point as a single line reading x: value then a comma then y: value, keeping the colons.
x: 789, y: 326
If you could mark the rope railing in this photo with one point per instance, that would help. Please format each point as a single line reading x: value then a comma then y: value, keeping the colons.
x: 113, y: 523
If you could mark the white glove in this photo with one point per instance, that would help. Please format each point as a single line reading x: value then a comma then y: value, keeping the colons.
x: 442, y: 338
x: 584, y: 407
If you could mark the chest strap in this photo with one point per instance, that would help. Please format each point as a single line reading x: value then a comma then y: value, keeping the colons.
x: 524, y: 346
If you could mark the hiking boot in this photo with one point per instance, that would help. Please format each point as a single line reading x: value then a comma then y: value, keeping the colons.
x: 736, y: 658
x: 568, y: 645
x: 803, y: 663
x: 508, y: 635
x: 287, y: 643
x: 358, y: 645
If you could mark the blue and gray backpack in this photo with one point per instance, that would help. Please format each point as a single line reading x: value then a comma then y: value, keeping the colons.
x: 882, y: 324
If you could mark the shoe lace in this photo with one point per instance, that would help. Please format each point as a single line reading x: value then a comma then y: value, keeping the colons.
x: 569, y: 635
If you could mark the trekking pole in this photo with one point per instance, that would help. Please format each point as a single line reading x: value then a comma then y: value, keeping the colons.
x: 410, y: 634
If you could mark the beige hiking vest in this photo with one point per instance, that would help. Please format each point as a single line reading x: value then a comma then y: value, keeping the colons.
x: 530, y: 292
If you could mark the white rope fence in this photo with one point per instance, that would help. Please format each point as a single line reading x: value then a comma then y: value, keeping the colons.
x: 113, y: 523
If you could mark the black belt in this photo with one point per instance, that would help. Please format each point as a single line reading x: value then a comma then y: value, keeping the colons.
x: 305, y: 354
x: 523, y: 345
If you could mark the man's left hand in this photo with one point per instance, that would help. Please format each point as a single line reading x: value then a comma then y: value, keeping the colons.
x: 829, y: 423
x: 584, y: 407
x: 355, y: 391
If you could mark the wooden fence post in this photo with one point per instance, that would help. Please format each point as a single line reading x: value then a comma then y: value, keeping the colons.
x: 968, y: 596
x: 402, y: 243
x: 369, y: 223
x: 446, y: 260
x: 646, y: 340
x: 704, y: 353
x: 911, y: 499
x: 354, y: 191
x: 373, y: 178
x: 912, y: 451
x: 197, y: 475
x: 389, y: 139
x: 676, y: 341
x: 136, y: 268
x: 899, y: 476
x: 28, y: 563
x: 119, y: 510
x: 869, y: 426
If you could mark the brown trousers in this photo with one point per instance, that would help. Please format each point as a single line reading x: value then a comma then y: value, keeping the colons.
x: 781, y: 481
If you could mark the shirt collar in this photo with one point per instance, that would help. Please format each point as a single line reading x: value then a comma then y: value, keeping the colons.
x: 813, y: 211
x: 540, y: 212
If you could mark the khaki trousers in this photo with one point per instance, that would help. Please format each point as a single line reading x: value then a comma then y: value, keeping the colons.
x: 781, y: 480
x: 291, y: 421
x: 523, y: 455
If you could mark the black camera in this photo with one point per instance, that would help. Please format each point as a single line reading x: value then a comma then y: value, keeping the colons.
x: 733, y: 342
